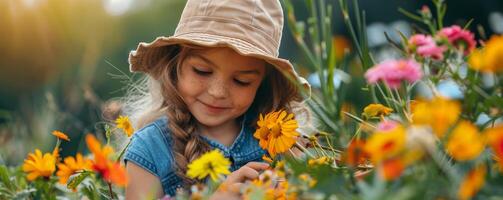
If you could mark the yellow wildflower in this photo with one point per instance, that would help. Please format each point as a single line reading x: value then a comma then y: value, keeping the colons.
x: 276, y: 132
x: 60, y: 135
x: 376, y: 110
x: 465, y: 142
x: 385, y: 143
x: 472, y: 183
x: 72, y: 165
x: 39, y: 165
x: 324, y: 160
x: 490, y: 58
x: 439, y: 113
x: 124, y: 124
x: 211, y: 164
x: 311, y: 182
x: 495, y: 140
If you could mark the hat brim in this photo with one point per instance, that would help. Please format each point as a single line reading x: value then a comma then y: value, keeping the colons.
x: 139, y: 59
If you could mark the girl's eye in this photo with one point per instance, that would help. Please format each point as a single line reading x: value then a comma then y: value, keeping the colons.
x: 241, y: 83
x: 201, y: 72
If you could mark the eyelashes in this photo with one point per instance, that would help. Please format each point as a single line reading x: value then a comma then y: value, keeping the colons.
x: 208, y: 73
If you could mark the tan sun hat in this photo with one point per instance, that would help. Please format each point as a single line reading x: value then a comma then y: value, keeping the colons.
x: 250, y: 27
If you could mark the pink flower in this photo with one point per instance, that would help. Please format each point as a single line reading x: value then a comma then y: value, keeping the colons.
x: 425, y: 46
x: 386, y: 125
x: 459, y: 38
x: 392, y: 72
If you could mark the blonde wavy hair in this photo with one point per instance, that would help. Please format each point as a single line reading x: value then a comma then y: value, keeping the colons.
x: 156, y: 95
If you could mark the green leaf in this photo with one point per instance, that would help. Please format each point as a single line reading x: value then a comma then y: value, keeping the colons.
x: 105, y: 192
x: 108, y: 133
x: 4, y: 177
x: 410, y: 15
x: 76, y: 180
x: 90, y: 192
x: 24, y: 194
x: 5, y: 193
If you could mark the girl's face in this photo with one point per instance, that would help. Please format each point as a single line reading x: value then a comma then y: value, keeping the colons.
x: 218, y: 85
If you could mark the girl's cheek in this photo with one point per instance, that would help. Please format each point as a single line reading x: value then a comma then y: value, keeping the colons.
x: 245, y: 95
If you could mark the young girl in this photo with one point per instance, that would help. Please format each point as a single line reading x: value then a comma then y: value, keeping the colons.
x: 206, y: 86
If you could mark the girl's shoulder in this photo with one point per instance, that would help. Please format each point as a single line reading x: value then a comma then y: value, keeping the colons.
x: 150, y: 148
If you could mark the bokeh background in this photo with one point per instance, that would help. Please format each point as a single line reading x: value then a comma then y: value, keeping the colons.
x: 63, y: 63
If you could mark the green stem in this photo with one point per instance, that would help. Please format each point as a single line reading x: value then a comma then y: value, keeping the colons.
x: 123, y: 151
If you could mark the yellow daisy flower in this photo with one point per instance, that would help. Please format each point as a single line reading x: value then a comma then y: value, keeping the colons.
x: 439, y: 114
x: 324, y: 160
x: 60, y: 135
x: 276, y: 132
x: 376, y: 110
x: 465, y: 142
x: 305, y: 177
x: 124, y: 124
x: 72, y: 165
x: 211, y: 164
x: 37, y: 165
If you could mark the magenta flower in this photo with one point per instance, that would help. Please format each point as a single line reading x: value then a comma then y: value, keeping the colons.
x: 459, y: 38
x: 387, y: 125
x: 393, y: 72
x: 425, y: 46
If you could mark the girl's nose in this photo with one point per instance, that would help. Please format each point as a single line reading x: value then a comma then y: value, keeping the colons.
x: 218, y: 89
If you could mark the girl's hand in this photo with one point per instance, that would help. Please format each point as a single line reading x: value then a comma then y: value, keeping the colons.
x: 231, y: 187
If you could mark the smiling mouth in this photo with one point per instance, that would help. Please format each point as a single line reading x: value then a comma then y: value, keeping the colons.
x: 213, y: 107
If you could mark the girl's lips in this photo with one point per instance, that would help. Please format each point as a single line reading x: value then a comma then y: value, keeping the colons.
x: 214, y: 109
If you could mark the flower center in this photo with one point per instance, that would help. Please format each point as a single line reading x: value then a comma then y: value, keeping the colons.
x: 388, y: 145
x: 276, y: 129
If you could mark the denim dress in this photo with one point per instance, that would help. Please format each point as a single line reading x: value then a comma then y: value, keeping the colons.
x: 150, y: 149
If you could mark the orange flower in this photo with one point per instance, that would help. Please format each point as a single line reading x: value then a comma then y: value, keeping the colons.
x: 276, y: 132
x: 355, y: 154
x: 72, y: 165
x: 101, y: 155
x: 124, y: 124
x: 37, y: 165
x: 439, y: 114
x: 465, y: 142
x: 490, y: 58
x: 472, y: 182
x: 391, y: 169
x: 495, y: 140
x: 60, y: 135
x: 116, y: 174
x: 110, y: 170
x: 386, y: 143
x: 267, y: 159
x: 340, y: 45
x: 270, y: 185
